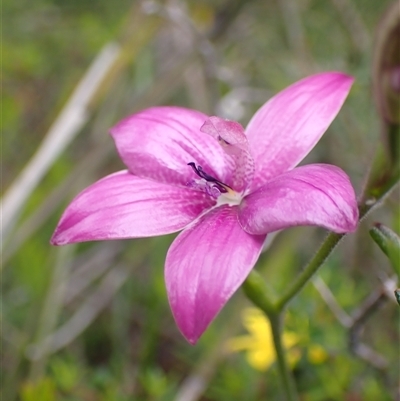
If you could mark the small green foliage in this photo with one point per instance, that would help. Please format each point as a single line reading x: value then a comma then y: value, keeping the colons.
x: 154, y: 382
x: 66, y: 373
x: 389, y: 242
x: 43, y: 390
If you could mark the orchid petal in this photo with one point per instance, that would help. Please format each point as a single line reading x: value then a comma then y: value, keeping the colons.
x: 230, y: 135
x: 159, y: 142
x: 287, y: 127
x: 205, y: 265
x: 122, y: 205
x: 316, y: 194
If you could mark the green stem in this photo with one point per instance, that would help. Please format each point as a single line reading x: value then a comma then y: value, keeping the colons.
x: 258, y: 292
x: 284, y: 371
x: 323, y: 252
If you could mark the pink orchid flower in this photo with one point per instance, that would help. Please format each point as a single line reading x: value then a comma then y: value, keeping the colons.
x: 224, y: 186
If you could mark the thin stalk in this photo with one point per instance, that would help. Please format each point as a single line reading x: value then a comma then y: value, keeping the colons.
x: 323, y: 252
x: 288, y: 384
x: 257, y: 292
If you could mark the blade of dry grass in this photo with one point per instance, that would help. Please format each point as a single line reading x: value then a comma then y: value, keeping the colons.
x: 61, y: 133
x: 354, y: 23
x: 53, y: 302
x: 83, y: 317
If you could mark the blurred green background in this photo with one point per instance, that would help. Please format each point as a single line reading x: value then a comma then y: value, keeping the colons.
x: 91, y: 322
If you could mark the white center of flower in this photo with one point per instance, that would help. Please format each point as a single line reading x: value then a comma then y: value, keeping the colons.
x: 231, y: 198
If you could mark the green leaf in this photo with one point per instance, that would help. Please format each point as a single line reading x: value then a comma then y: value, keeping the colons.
x: 389, y: 242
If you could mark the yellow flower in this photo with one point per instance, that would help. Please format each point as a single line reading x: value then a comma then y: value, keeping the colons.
x: 317, y: 354
x: 259, y: 343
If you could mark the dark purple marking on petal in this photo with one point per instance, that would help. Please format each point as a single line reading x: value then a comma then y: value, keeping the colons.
x: 223, y: 188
